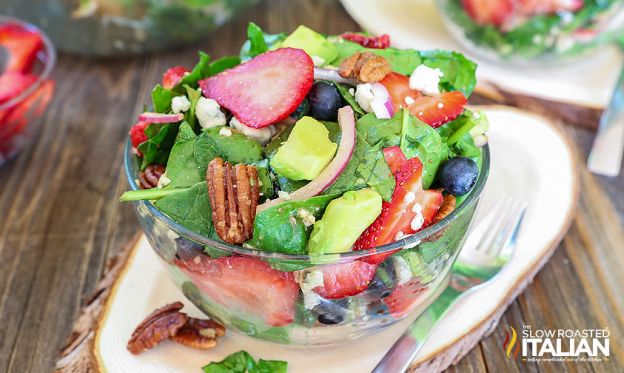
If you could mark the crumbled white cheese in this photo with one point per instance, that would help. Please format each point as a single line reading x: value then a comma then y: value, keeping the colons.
x: 373, y: 97
x: 409, y: 197
x: 311, y: 299
x: 409, y: 100
x: 352, y: 91
x: 480, y: 140
x: 402, y: 270
x: 318, y: 61
x: 308, y: 280
x: 283, y: 195
x: 163, y: 181
x: 209, y: 113
x: 399, y: 236
x: 426, y: 79
x: 418, y: 220
x: 225, y: 132
x: 180, y: 104
x: 262, y: 135
x: 306, y: 217
x: 172, y: 235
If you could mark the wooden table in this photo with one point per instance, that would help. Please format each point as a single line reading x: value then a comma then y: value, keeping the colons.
x: 61, y: 219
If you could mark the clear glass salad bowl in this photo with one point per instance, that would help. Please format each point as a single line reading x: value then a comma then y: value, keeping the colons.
x: 404, y: 283
x: 545, y: 38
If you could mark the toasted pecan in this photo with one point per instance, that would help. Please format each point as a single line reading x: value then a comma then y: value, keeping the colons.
x: 448, y: 205
x: 149, y: 178
x: 199, y: 333
x: 234, y: 193
x: 161, y: 324
x: 366, y: 67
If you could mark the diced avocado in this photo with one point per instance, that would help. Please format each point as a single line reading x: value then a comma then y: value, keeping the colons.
x: 312, y: 43
x: 344, y: 220
x: 307, y: 151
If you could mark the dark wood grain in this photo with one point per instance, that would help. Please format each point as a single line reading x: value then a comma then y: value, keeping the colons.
x: 61, y: 219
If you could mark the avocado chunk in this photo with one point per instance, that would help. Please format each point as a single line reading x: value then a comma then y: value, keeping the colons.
x: 344, y: 220
x: 306, y: 153
x: 313, y: 43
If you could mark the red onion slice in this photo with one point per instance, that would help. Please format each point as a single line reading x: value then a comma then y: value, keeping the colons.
x: 160, y: 118
x: 332, y: 75
x: 346, y: 120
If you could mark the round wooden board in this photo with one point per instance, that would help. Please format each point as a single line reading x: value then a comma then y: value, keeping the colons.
x: 531, y: 156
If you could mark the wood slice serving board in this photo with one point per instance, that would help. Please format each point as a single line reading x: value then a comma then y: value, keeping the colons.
x: 531, y: 157
x: 575, y: 93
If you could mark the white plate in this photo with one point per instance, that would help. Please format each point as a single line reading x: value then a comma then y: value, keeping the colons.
x: 529, y: 157
x: 417, y: 24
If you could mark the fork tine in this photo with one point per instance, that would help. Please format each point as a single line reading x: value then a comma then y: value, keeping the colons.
x: 507, y: 248
x: 499, y: 220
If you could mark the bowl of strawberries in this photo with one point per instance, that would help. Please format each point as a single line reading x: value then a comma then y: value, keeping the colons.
x: 26, y: 60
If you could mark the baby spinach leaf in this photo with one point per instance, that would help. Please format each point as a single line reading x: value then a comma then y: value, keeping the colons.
x: 264, y: 176
x: 161, y: 99
x: 222, y: 64
x: 281, y: 228
x: 181, y: 166
x: 367, y: 167
x: 243, y: 362
x: 403, y: 61
x: 420, y: 140
x: 236, y: 148
x: 384, y: 131
x: 193, y: 96
x: 349, y: 98
x: 147, y: 194
x: 200, y: 71
x: 189, y: 208
x: 456, y: 135
x: 259, y: 42
x: 459, y: 72
x: 160, y: 139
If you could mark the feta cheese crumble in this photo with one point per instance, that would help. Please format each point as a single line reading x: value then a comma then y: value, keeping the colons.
x: 262, y: 135
x: 318, y: 61
x: 418, y: 220
x: 163, y: 181
x: 225, y: 132
x: 180, y: 104
x: 306, y: 217
x: 308, y: 280
x: 209, y: 113
x: 409, y: 100
x: 402, y: 270
x: 372, y: 97
x: 283, y: 195
x: 426, y: 79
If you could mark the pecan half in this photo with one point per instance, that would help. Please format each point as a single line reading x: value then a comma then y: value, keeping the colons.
x: 199, y: 333
x: 366, y: 67
x: 234, y: 193
x: 161, y: 324
x: 448, y: 205
x: 149, y: 178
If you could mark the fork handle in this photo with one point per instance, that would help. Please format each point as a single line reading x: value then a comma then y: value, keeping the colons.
x: 404, y: 350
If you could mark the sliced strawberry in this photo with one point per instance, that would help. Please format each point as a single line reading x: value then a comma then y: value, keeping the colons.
x: 394, y: 158
x: 173, y: 76
x: 265, y: 89
x: 489, y: 12
x: 15, y: 119
x: 404, y: 297
x: 439, y: 109
x: 377, y: 42
x: 345, y: 279
x: 245, y: 285
x: 398, y: 88
x: 397, y: 216
x: 533, y: 7
x: 22, y: 45
x: 137, y: 133
x: 14, y: 83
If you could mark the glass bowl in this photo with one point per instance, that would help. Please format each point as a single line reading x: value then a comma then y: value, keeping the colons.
x: 273, y: 307
x: 124, y: 27
x: 19, y: 116
x: 537, y: 40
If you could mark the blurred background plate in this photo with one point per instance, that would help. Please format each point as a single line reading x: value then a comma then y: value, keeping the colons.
x: 417, y: 24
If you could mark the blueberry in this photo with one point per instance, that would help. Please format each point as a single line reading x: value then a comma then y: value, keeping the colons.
x: 302, y: 109
x: 458, y: 175
x: 330, y: 312
x: 325, y: 100
x: 330, y: 319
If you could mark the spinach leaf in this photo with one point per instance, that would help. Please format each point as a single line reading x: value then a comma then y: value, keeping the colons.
x: 222, y: 64
x: 349, y: 98
x: 147, y: 194
x: 193, y: 96
x: 420, y: 140
x: 161, y: 99
x: 384, y: 131
x: 264, y: 176
x: 259, y: 42
x: 367, y: 167
x: 189, y: 208
x: 181, y: 166
x: 456, y: 134
x: 403, y: 61
x: 200, y: 71
x: 459, y: 72
x: 281, y: 228
x: 236, y: 148
x: 243, y: 362
x: 160, y: 139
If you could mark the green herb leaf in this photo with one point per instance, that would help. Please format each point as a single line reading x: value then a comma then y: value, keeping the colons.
x: 259, y: 42
x: 147, y: 194
x: 459, y: 72
x: 264, y: 176
x: 161, y: 99
x: 200, y: 71
x: 349, y: 98
x: 193, y: 96
x: 189, y: 208
x: 160, y: 139
x: 380, y: 131
x: 222, y: 64
x: 236, y: 148
x: 181, y: 166
x: 243, y: 362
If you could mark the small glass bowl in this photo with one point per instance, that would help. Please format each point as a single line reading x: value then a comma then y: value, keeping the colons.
x: 199, y: 267
x: 541, y: 40
x: 19, y: 117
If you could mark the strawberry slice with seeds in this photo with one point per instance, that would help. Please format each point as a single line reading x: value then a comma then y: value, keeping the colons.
x: 345, y: 279
x: 14, y: 83
x: 410, y: 210
x: 403, y: 298
x: 394, y: 158
x: 137, y: 134
x: 376, y: 42
x: 398, y: 88
x: 245, y: 285
x: 265, y: 89
x: 439, y: 109
x: 173, y: 76
x: 17, y: 117
x: 489, y: 12
x: 22, y: 45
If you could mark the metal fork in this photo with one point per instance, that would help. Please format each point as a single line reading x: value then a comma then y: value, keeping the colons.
x: 488, y: 248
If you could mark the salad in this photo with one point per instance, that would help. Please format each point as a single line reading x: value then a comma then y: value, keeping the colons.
x: 287, y: 161
x: 530, y: 29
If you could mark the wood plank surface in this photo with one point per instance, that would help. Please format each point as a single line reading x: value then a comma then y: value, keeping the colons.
x: 61, y: 219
